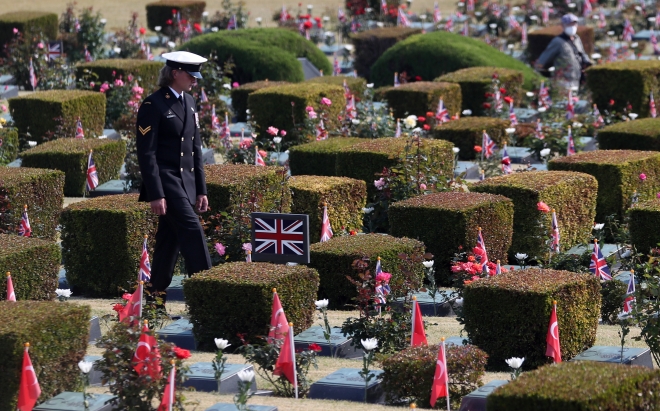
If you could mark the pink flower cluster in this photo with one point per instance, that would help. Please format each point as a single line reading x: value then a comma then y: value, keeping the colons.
x: 220, y: 248
x: 104, y: 87
x: 310, y: 112
x: 245, y: 144
x: 272, y: 131
x: 384, y: 277
x: 380, y: 183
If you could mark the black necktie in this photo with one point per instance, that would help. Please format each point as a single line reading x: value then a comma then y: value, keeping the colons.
x: 180, y: 100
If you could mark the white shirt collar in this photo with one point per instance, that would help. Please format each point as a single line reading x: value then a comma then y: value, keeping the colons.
x: 175, y: 93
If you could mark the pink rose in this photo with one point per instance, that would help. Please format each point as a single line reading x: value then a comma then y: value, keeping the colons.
x: 247, y: 247
x: 282, y: 133
x: 137, y: 90
x: 235, y: 84
x: 326, y: 101
x: 40, y: 45
x: 312, y: 115
x: 15, y: 30
x: 384, y: 277
x: 272, y: 131
x: 309, y: 108
x: 119, y: 83
x: 543, y: 207
x: 220, y: 248
x: 130, y: 77
x: 3, y: 108
x: 104, y: 87
x: 642, y: 176
x: 422, y: 186
x: 380, y: 183
x: 657, y: 195
x: 91, y: 84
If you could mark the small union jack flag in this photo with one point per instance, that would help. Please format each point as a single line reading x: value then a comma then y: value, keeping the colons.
x: 383, y: 5
x: 351, y: 111
x: 204, y: 98
x: 612, y: 53
x: 379, y: 268
x: 80, y: 133
x: 513, y: 23
x: 225, y: 133
x: 488, y: 147
x: 278, y: 236
x: 380, y: 295
x: 654, y: 41
x: 76, y: 25
x: 347, y: 90
x: 539, y: 130
x: 449, y: 24
x: 442, y: 114
x: 523, y: 35
x: 92, y: 175
x: 258, y: 160
x: 469, y: 6
x: 586, y: 8
x: 570, y: 149
x: 55, y: 50
x: 341, y: 15
x: 498, y: 268
x: 402, y: 19
x: 628, y: 31
x: 437, y: 15
x: 145, y: 266
x: 283, y: 15
x: 602, y: 23
x: 480, y: 252
x: 33, y: 76
x: 555, y: 233
x: 232, y: 23
x: 326, y: 229
x: 498, y: 100
x: 336, y: 70
x: 506, y: 162
x: 544, y: 96
x: 599, y: 121
x: 512, y: 115
x: 598, y: 265
x: 570, y: 108
x: 24, y: 228
x: 215, y: 123
x: 466, y: 29
x: 545, y: 14
x: 630, y: 292
x: 652, y: 111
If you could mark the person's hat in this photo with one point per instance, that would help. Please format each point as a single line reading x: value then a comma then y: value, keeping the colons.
x: 186, y: 61
x: 569, y: 18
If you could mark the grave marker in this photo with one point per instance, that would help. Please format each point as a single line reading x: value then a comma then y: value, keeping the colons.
x: 180, y: 333
x: 347, y: 385
x: 476, y: 400
x: 74, y: 401
x: 631, y: 355
x: 341, y: 345
x: 202, y: 377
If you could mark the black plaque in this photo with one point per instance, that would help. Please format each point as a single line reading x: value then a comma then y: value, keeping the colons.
x: 476, y: 400
x: 201, y: 376
x: 179, y: 333
x: 347, y: 385
x: 631, y: 355
x: 340, y: 345
x: 280, y: 238
x: 73, y: 401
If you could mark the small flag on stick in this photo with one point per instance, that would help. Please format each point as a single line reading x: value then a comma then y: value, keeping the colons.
x: 11, y: 296
x: 24, y: 229
x: 28, y: 390
x: 440, y: 387
x: 168, y: 400
x: 630, y: 294
x: 326, y: 229
x: 286, y: 362
x: 92, y: 175
x: 279, y: 326
x: 553, y: 350
x: 418, y: 336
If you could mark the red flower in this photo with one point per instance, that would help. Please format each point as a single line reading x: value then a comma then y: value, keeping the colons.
x: 426, y: 127
x: 611, y: 102
x: 486, y: 106
x: 353, y: 232
x: 429, y: 114
x: 477, y: 149
x: 169, y: 22
x: 174, y: 11
x: 307, y: 25
x: 143, y: 30
x: 118, y: 307
x: 317, y: 19
x: 418, y: 78
x: 184, y: 21
x: 181, y: 353
x: 506, y: 161
x: 503, y: 90
x: 197, y: 27
x: 315, y: 347
x: 126, y: 296
x: 319, y: 25
x: 487, y: 95
x: 543, y: 207
x: 495, y: 75
x: 421, y: 119
x: 508, y: 99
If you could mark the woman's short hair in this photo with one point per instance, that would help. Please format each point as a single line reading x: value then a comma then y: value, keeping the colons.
x: 165, y: 77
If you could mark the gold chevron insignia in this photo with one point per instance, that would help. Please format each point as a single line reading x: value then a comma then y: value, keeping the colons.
x: 144, y: 130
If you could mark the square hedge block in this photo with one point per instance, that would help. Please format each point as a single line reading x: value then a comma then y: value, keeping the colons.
x: 345, y: 198
x: 467, y: 132
x: 246, y: 292
x: 571, y: 194
x: 456, y: 217
x: 617, y: 172
x: 581, y: 385
x: 366, y: 159
x: 643, y: 225
x: 71, y: 155
x: 643, y: 134
x: 420, y: 97
x: 475, y: 82
x: 275, y: 106
x: 159, y: 12
x: 57, y: 333
x: 145, y: 71
x: 41, y: 190
x: 356, y: 85
x: 36, y: 113
x: 371, y: 44
x: 225, y: 184
x: 29, y: 23
x: 34, y: 265
x: 507, y: 315
x: 319, y: 158
x: 239, y: 95
x: 333, y: 260
x: 625, y: 82
x: 102, y: 243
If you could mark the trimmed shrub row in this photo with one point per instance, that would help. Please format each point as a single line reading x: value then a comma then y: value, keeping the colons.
x: 9, y: 145
x: 371, y: 44
x: 643, y: 226
x: 643, y: 134
x: 107, y: 70
x: 159, y: 12
x: 29, y: 23
x: 467, y: 132
x: 239, y: 95
x: 34, y: 265
x: 319, y: 158
x: 423, y: 96
x: 356, y: 85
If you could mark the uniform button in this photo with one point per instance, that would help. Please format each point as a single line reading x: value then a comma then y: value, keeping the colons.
x: 192, y: 138
x: 182, y: 169
x: 192, y: 154
x: 182, y: 154
x: 192, y: 169
x: 182, y: 139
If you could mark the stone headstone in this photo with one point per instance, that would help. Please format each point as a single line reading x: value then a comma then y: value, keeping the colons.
x: 207, y: 156
x: 112, y: 187
x: 455, y: 341
x: 62, y: 282
x: 476, y: 400
x: 443, y: 301
x: 95, y: 375
x: 179, y: 333
x: 470, y: 169
x: 606, y: 249
x: 631, y: 355
x: 202, y: 377
x: 520, y: 155
x: 15, y: 163
x: 74, y: 401
x: 341, y: 346
x: 94, y: 329
x: 526, y: 115
x: 111, y: 134
x: 240, y: 129
x: 7, y: 91
x: 346, y: 384
x: 231, y: 407
x: 309, y: 70
x: 6, y: 79
x: 175, y: 290
x: 624, y: 277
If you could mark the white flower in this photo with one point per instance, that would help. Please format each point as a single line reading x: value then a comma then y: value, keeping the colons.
x: 380, y: 24
x: 417, y: 130
x: 515, y: 8
x: 246, y: 375
x: 422, y: 16
x: 103, y: 21
x: 633, y: 115
x: 545, y: 152
x: 326, y: 18
x: 530, y: 94
x: 172, y: 44
x: 551, y: 69
x: 213, y: 29
x: 355, y: 121
x: 258, y: 19
x: 455, y: 150
x: 598, y: 226
x: 367, y: 210
x: 428, y: 264
x: 521, y: 256
x: 158, y: 28
x: 571, y: 5
x: 309, y: 6
x: 492, y: 25
x: 227, y: 86
x: 510, y: 46
x: 596, y: 56
x: 410, y: 121
x: 534, y: 17
x: 368, y: 9
x: 247, y: 111
x: 205, y: 14
x: 277, y: 140
x: 610, y: 33
x: 32, y: 143
x: 66, y: 293
x: 369, y: 344
x: 458, y: 302
x: 321, y: 303
x: 221, y: 343
x: 541, y: 109
x: 85, y: 366
x: 574, y: 88
x: 117, y: 50
x: 651, y: 19
x: 515, y: 362
x: 370, y: 85
x: 577, y: 125
x: 510, y: 130
x: 467, y: 112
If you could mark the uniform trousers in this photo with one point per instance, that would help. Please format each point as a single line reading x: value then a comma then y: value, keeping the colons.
x: 178, y: 230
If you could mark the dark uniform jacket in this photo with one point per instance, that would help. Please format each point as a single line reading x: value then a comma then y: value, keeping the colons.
x: 169, y: 148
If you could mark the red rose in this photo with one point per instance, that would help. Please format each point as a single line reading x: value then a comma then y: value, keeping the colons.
x: 317, y: 19
x: 542, y: 207
x: 307, y: 25
x: 353, y: 232
x: 477, y: 149
x: 181, y: 353
x: 143, y: 30
x: 503, y: 90
x: 418, y: 78
x: 184, y: 21
x: 174, y: 11
x: 263, y: 153
x: 127, y: 296
x: 506, y: 161
x: 495, y: 75
x: 421, y: 119
x: 315, y: 347
x: 429, y: 114
x: 486, y: 106
x: 426, y: 127
x: 487, y: 95
x: 169, y: 22
x: 118, y: 307
x: 611, y: 102
x: 508, y: 99
x: 319, y: 25
x: 197, y: 27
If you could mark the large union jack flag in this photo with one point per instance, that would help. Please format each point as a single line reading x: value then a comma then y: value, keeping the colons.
x: 280, y: 237
x: 598, y: 266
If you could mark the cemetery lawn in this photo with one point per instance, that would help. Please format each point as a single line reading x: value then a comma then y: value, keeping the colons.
x: 437, y: 327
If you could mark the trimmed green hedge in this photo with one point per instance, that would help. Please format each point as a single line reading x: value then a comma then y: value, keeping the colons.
x: 334, y: 260
x: 467, y: 132
x: 434, y: 54
x: 159, y: 12
x: 507, y: 315
x: 475, y: 82
x: 364, y: 160
x: 643, y: 225
x: 57, y: 334
x: 456, y: 217
x: 318, y: 158
x: 357, y: 85
x: 539, y: 39
x: 250, y: 287
x: 225, y: 181
x: 345, y: 198
x: 617, y: 172
x: 41, y: 190
x: 102, y: 243
x: 580, y: 385
x: 281, y: 106
x: 8, y: 145
x: 71, y: 155
x: 643, y: 134
x: 36, y: 113
x: 239, y: 96
x: 408, y: 375
x: 34, y: 265
x: 423, y: 96
x: 629, y: 81
x: 29, y: 23
x: 573, y: 195
x: 371, y: 44
x: 145, y: 71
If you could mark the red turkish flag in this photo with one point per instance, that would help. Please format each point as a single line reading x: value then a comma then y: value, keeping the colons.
x: 279, y: 326
x: 553, y: 350
x: 29, y: 390
x: 131, y: 311
x: 418, y: 335
x: 440, y: 388
x: 146, y: 360
x: 286, y: 362
x: 11, y: 296
x: 169, y: 398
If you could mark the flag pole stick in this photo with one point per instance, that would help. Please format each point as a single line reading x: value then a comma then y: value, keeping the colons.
x: 141, y: 291
x: 293, y: 355
x: 412, y: 333
x: 444, y: 354
x: 172, y: 378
